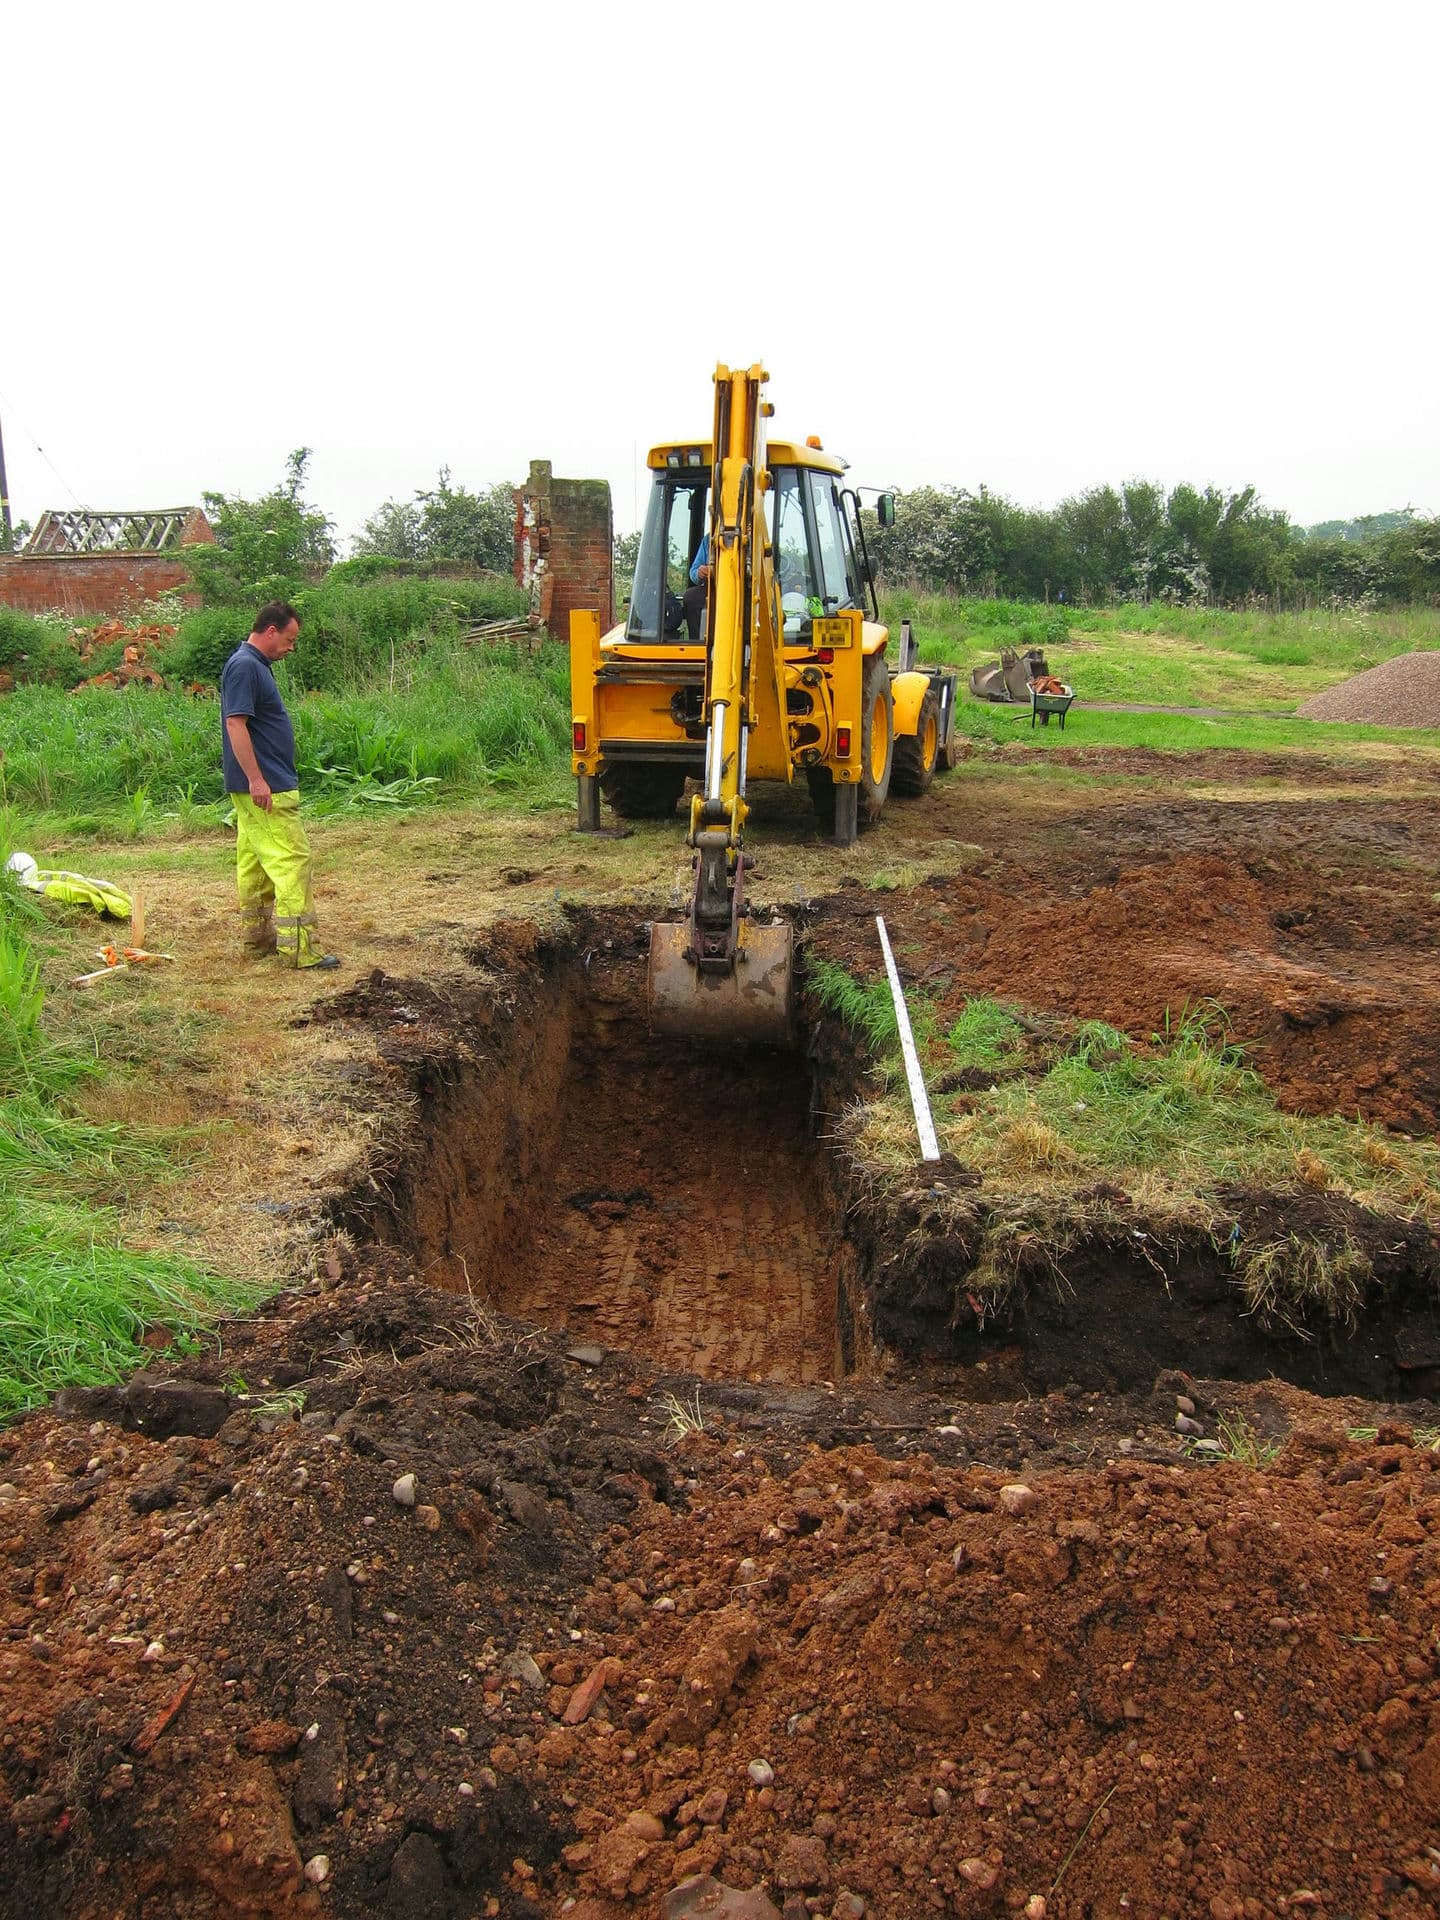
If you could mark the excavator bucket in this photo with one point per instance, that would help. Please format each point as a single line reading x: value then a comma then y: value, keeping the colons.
x: 750, y: 1005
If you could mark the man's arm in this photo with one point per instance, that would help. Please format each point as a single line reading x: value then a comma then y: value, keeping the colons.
x: 237, y: 728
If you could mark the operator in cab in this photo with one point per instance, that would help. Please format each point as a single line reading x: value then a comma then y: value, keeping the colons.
x: 693, y: 598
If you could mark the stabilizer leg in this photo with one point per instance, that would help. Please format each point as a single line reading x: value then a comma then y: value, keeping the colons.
x: 847, y: 813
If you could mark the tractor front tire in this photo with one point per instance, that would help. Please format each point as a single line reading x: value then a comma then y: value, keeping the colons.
x: 877, y: 738
x: 918, y: 754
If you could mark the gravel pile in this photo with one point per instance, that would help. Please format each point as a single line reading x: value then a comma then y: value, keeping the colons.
x: 1403, y: 692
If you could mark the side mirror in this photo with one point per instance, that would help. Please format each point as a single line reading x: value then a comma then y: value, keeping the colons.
x: 885, y: 509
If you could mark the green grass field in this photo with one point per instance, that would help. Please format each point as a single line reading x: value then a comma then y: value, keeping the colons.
x: 1243, y: 663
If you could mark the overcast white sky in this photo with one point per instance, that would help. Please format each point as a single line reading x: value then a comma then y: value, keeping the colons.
x: 1035, y: 246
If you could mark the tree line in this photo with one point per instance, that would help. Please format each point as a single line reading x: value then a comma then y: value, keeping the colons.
x: 1187, y: 545
x: 1140, y: 542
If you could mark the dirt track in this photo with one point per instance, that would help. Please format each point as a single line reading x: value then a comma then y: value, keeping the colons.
x: 237, y: 1641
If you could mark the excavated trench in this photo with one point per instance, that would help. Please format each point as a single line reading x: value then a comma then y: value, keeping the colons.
x: 575, y: 1172
x: 683, y: 1212
x: 566, y: 1169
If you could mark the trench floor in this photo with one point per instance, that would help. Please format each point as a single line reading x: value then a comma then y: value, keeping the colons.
x: 686, y: 1217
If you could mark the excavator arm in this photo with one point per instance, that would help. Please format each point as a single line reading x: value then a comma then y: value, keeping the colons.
x: 720, y: 975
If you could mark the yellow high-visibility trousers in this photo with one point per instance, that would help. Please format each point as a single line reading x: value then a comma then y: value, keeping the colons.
x: 273, y: 869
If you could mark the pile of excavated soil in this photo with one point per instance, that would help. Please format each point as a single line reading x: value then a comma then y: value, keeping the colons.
x: 1330, y: 983
x: 479, y: 1632
x: 1403, y: 692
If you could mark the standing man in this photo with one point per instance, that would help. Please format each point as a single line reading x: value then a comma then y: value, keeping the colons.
x: 273, y: 864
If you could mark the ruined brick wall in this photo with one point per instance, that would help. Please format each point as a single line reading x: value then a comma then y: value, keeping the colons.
x: 565, y: 547
x: 83, y: 583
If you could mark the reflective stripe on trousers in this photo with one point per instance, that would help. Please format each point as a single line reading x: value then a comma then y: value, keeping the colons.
x: 273, y: 869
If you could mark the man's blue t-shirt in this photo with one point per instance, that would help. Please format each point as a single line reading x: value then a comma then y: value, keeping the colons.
x: 248, y: 689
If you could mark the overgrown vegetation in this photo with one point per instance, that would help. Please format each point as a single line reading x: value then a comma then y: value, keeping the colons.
x: 393, y: 708
x: 265, y: 549
x: 391, y: 703
x: 353, y: 633
x: 470, y: 719
x: 75, y: 1300
x: 1082, y: 1125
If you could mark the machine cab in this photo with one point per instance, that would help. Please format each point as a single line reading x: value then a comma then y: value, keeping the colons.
x: 810, y: 523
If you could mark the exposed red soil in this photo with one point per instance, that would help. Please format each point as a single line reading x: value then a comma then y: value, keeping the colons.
x: 464, y: 1624
x: 737, y: 1282
x: 1314, y: 926
x: 1194, y: 1688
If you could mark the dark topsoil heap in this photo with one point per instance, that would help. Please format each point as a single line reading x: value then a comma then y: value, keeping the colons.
x: 842, y: 1643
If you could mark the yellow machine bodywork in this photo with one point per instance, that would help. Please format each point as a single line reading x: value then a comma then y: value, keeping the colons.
x: 763, y: 666
x: 622, y: 707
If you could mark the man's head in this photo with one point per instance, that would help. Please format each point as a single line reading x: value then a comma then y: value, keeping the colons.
x: 276, y: 628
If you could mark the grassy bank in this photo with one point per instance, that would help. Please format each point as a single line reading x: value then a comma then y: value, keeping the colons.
x: 1058, y: 1115
x: 77, y: 1296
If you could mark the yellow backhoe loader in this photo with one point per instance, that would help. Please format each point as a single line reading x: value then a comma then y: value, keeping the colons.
x: 747, y: 653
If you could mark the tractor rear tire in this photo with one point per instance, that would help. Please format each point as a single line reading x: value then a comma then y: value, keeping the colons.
x: 917, y: 754
x: 640, y: 790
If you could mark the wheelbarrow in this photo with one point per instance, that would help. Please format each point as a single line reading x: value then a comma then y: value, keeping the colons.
x: 1042, y: 705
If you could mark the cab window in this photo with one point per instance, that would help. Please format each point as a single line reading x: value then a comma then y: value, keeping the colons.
x: 839, y: 575
x: 794, y: 564
x: 674, y: 524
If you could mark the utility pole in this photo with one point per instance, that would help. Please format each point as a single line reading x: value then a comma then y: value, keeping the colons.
x: 7, y: 531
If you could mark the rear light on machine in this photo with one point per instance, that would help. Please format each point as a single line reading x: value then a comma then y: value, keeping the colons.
x: 825, y: 655
x: 842, y: 742
x: 578, y: 734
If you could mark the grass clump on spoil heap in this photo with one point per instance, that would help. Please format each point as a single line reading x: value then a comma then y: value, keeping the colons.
x: 1077, y: 1132
x: 75, y: 1302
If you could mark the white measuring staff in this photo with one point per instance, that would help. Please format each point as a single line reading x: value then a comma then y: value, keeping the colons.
x: 919, y: 1100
